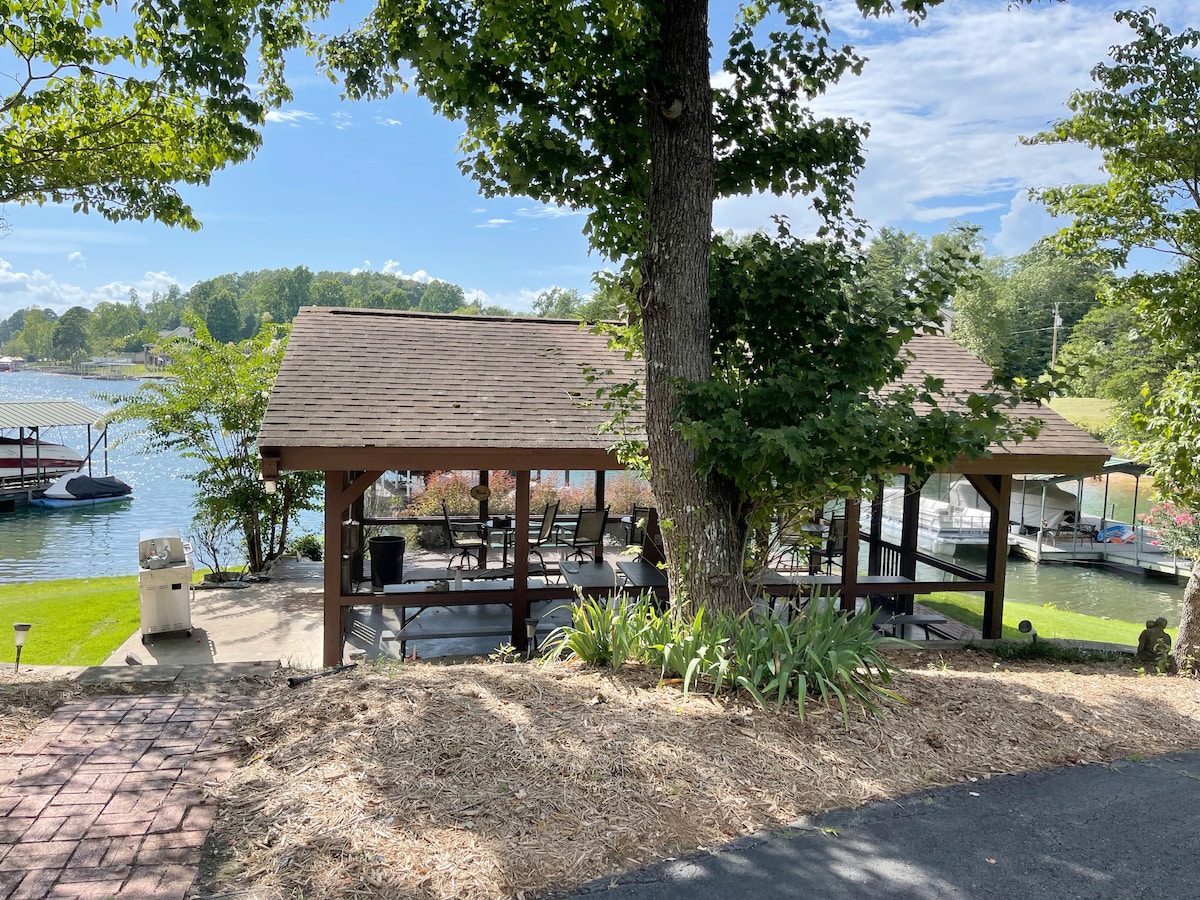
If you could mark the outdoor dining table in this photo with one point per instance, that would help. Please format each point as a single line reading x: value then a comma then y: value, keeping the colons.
x: 589, y: 577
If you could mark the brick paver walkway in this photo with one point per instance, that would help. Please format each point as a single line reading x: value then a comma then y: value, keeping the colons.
x: 107, y: 798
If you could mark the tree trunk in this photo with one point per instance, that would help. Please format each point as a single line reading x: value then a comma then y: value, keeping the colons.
x: 703, y: 543
x: 1187, y: 640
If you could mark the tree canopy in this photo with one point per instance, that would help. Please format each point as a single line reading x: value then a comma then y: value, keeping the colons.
x: 611, y: 107
x: 109, y: 109
x: 1141, y: 116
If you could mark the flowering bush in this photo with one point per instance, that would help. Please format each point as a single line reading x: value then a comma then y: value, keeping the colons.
x: 1178, y: 529
x: 622, y: 493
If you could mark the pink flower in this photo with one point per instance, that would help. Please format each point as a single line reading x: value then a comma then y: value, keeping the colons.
x: 1184, y: 519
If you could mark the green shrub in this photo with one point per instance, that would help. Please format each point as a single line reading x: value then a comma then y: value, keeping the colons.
x: 1052, y: 651
x: 601, y: 632
x: 307, y: 545
x: 821, y: 653
x: 689, y: 650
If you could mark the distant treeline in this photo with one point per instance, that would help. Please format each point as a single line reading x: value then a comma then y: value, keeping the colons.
x: 235, y: 306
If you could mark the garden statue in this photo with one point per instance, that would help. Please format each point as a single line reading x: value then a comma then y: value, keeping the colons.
x: 1154, y: 643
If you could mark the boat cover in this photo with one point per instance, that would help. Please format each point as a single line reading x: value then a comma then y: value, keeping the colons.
x: 84, y: 487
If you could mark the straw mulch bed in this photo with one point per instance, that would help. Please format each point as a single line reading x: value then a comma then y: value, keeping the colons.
x: 481, y: 780
x: 26, y: 701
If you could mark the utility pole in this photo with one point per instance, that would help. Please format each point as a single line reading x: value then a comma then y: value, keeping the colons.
x: 1054, y: 336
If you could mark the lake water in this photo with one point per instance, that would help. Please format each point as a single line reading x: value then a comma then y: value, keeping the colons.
x: 39, y: 544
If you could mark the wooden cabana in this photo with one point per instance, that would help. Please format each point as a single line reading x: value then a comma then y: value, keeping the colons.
x: 362, y: 392
x: 892, y: 566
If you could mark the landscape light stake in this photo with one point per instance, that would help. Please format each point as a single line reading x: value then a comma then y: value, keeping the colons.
x: 20, y: 630
x: 530, y: 637
x: 1026, y: 627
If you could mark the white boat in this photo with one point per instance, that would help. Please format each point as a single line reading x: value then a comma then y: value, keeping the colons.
x: 77, y: 489
x: 29, y: 457
x: 1035, y: 503
x: 942, y: 527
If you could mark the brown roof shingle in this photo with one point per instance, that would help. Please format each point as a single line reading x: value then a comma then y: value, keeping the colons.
x: 372, y: 389
x: 458, y: 385
x: 1059, y: 446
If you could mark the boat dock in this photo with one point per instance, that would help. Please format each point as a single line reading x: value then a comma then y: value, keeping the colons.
x: 28, y: 420
x: 1139, y: 556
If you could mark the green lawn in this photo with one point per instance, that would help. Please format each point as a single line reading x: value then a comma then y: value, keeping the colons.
x: 1091, y: 414
x: 76, y: 622
x: 1048, y: 623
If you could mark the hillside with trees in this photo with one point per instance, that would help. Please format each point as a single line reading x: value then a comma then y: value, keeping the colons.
x: 235, y: 306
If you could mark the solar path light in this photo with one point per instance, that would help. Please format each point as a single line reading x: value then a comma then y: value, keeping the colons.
x: 20, y: 630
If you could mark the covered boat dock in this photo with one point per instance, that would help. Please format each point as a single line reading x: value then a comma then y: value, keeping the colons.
x: 27, y: 421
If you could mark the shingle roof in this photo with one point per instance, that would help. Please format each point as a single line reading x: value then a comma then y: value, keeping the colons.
x: 364, y: 388
x: 1059, y: 447
x: 357, y: 378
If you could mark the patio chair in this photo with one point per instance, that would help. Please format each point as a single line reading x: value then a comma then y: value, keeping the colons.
x: 464, y: 540
x: 589, y: 533
x: 835, y: 546
x: 546, y: 534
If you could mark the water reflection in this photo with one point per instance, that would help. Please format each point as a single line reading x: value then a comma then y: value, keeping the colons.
x: 1088, y: 590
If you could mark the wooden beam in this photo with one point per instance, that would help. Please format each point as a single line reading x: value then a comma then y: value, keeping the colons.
x: 353, y: 490
x: 988, y: 492
x: 426, y: 459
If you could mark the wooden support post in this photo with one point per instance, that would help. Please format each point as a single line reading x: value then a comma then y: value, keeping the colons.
x: 331, y: 654
x: 850, y: 559
x: 520, y: 606
x: 600, y: 485
x: 996, y: 490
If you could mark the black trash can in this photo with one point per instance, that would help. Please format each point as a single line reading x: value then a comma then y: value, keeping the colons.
x: 387, y: 560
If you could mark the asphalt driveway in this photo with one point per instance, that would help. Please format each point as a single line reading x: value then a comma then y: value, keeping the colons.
x: 1125, y: 830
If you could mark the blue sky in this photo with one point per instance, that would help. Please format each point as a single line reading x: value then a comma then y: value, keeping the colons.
x: 343, y: 186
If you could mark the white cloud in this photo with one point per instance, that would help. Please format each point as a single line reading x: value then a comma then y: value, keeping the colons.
x: 477, y: 296
x: 293, y: 117
x: 388, y: 122
x: 19, y: 290
x: 77, y: 259
x: 547, y: 212
x: 342, y: 121
x: 494, y: 223
x: 392, y: 267
x: 945, y: 213
x: 1022, y: 226
x: 947, y: 103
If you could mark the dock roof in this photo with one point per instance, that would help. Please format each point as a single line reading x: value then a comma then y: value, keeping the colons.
x: 45, y: 414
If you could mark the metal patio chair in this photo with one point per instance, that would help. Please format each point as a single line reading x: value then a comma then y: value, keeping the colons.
x: 589, y: 533
x: 546, y: 535
x: 464, y: 540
